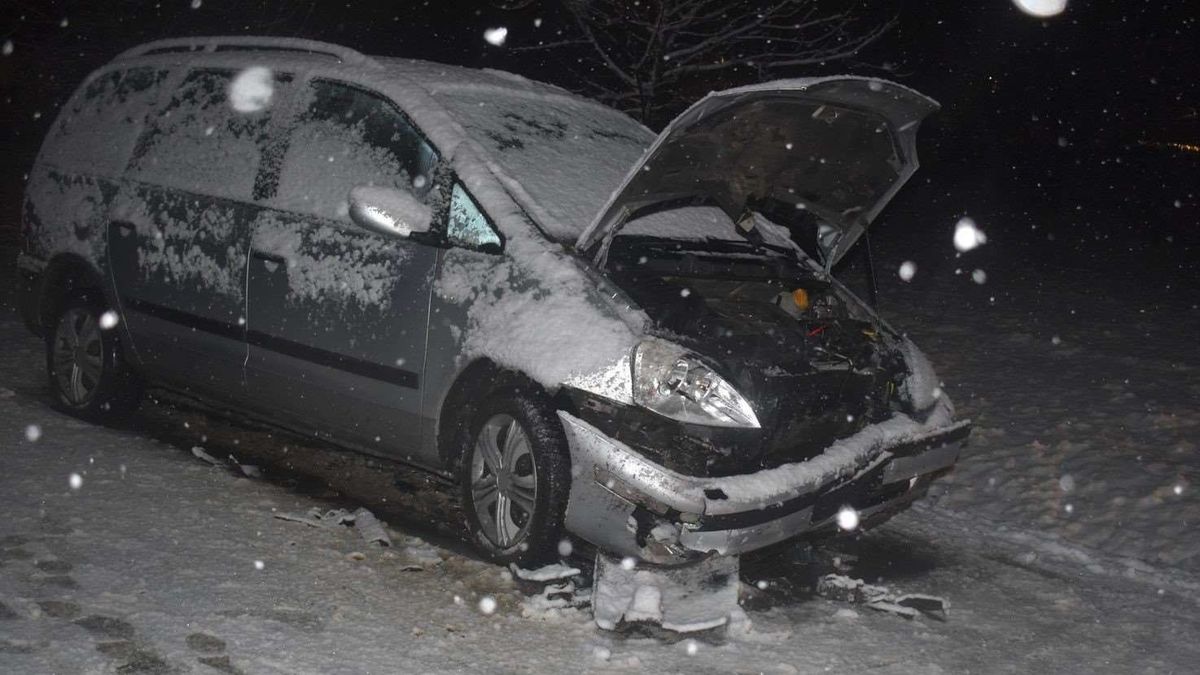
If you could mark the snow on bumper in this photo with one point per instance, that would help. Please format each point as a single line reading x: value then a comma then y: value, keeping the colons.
x: 630, y: 506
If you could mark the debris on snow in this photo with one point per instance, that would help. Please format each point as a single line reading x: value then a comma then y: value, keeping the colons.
x: 685, y: 599
x: 880, y: 598
x: 370, y: 528
x: 552, y: 572
x: 199, y: 453
x: 314, y: 517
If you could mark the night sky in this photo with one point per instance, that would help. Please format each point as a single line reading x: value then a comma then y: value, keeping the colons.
x: 1055, y: 134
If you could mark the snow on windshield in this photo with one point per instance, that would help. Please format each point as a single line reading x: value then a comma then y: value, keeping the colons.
x: 567, y: 155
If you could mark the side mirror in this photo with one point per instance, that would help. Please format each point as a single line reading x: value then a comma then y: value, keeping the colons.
x: 389, y: 211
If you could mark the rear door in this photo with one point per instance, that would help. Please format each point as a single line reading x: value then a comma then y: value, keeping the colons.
x: 180, y: 227
x: 337, y: 315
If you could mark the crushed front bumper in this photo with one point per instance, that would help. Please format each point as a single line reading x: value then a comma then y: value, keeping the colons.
x: 628, y: 505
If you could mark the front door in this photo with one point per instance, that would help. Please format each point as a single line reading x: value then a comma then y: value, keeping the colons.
x: 337, y: 315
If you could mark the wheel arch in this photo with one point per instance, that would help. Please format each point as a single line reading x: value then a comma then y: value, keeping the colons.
x: 65, y: 274
x: 478, y: 381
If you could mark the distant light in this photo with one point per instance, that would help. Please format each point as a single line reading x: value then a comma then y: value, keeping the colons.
x: 967, y: 235
x: 1041, y: 8
x: 847, y: 518
x: 496, y: 36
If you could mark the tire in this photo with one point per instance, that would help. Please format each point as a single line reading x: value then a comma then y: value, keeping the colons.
x: 514, y: 497
x: 87, y: 371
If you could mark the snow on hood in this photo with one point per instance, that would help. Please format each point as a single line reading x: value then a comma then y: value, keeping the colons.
x: 560, y: 155
x: 826, y: 154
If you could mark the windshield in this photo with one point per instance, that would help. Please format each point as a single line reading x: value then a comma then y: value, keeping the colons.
x: 567, y: 155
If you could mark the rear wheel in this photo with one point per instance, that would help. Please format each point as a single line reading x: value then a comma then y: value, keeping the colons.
x: 87, y: 372
x: 515, y: 477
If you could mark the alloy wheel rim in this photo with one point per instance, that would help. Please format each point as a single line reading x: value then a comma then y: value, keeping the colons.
x: 503, y: 481
x: 78, y: 356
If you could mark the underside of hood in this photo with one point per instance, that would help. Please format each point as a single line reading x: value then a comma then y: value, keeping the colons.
x: 819, y: 156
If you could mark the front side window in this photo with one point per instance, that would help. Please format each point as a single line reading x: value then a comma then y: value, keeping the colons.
x: 466, y: 225
x: 213, y: 133
x: 346, y: 137
x: 97, y: 131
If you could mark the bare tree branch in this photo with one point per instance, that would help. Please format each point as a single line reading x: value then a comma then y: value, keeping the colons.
x: 649, y: 53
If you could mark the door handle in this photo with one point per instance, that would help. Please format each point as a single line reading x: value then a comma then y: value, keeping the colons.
x: 125, y: 227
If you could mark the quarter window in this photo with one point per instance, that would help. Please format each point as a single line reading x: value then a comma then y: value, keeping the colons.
x: 466, y: 224
x: 346, y: 137
x: 212, y: 134
x: 97, y: 131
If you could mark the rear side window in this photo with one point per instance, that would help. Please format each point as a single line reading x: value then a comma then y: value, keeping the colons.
x: 346, y: 137
x: 213, y: 133
x: 97, y: 131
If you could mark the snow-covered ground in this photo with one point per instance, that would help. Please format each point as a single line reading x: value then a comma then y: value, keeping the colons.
x: 161, y: 562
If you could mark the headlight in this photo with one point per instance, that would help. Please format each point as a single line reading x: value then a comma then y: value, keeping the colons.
x: 675, y: 384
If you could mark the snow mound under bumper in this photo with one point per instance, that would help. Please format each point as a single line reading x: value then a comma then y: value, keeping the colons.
x: 628, y: 505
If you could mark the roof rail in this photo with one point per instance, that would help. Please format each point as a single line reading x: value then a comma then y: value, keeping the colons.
x: 245, y: 42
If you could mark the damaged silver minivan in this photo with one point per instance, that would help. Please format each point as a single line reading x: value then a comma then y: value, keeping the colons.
x: 597, y: 333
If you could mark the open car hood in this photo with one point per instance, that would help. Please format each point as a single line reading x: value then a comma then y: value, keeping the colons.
x: 821, y: 156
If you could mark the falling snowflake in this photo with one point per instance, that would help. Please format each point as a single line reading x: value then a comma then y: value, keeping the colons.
x: 496, y: 36
x: 908, y: 269
x: 565, y: 547
x: 847, y: 519
x: 967, y: 235
x: 108, y: 320
x: 692, y: 647
x: 1041, y: 8
x: 979, y: 277
x: 75, y: 481
x: 487, y: 604
x: 628, y: 563
x: 33, y: 432
x: 196, y: 4
x: 8, y: 47
x: 252, y: 90
x: 258, y: 564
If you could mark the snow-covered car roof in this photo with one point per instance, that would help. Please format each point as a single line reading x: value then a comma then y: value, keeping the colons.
x: 558, y: 155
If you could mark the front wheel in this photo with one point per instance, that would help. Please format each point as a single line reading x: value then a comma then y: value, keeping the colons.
x: 515, y: 477
x: 87, y: 372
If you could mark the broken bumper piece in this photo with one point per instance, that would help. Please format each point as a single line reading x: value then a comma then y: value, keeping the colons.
x: 628, y: 505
